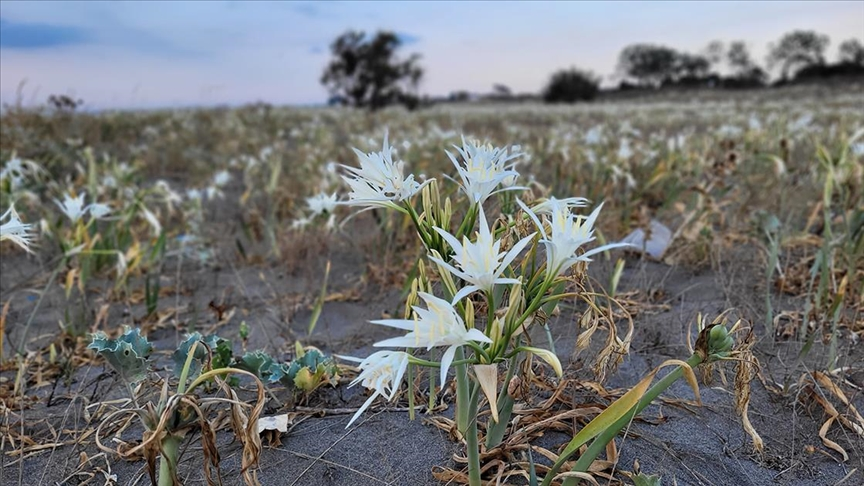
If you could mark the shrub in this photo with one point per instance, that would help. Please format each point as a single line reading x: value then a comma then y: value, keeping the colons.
x: 570, y: 86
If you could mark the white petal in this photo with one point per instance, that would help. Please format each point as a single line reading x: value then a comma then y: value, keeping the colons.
x: 477, y: 335
x: 464, y: 292
x: 450, y: 268
x: 404, y: 324
x: 363, y: 408
x: 514, y: 252
x: 446, y: 359
x: 399, y: 342
x: 603, y: 248
x: 533, y: 216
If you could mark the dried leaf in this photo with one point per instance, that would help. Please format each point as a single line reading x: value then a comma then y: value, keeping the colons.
x: 487, y: 376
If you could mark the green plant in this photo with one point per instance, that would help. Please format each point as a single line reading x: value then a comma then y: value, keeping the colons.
x: 309, y: 370
x: 715, y: 343
x: 169, y: 419
x: 517, y: 292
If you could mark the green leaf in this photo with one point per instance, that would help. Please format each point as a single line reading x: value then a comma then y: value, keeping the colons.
x: 643, y: 479
x: 257, y: 362
x: 319, y: 303
x: 307, y: 372
x: 126, y: 354
x: 532, y: 471
x: 220, y: 348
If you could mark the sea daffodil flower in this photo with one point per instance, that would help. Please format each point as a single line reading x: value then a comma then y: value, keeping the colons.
x: 322, y: 203
x: 569, y: 233
x: 438, y: 325
x: 551, y: 204
x: 72, y: 207
x: 98, y: 210
x: 14, y: 230
x: 381, y: 371
x: 379, y: 182
x: 485, y: 168
x: 480, y: 263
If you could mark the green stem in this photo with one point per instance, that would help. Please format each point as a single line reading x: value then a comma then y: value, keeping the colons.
x: 462, y: 393
x: 168, y: 462
x: 471, y: 441
x: 599, y: 443
x: 415, y: 218
x: 410, y: 391
x: 432, y: 394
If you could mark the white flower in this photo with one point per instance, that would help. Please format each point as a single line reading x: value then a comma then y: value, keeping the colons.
x: 729, y: 131
x: 379, y: 181
x: 594, y: 136
x: 300, y: 223
x: 152, y: 220
x: 17, y: 171
x: 98, y: 210
x: 754, y: 122
x: 14, y: 171
x: 569, y: 233
x: 439, y: 325
x: 72, y: 207
x: 213, y: 192
x: 265, y: 153
x: 485, y: 168
x: 624, y: 151
x: 221, y: 178
x: 171, y: 196
x: 14, y: 230
x: 322, y: 203
x: 480, y: 263
x: 193, y: 194
x: 552, y: 204
x: 381, y: 371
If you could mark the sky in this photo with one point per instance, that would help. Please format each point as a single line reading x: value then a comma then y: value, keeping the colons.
x: 162, y: 54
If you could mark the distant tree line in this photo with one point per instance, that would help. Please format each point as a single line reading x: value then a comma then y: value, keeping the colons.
x: 366, y: 72
x: 799, y: 56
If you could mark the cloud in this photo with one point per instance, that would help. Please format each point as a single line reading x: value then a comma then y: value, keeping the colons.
x: 20, y: 35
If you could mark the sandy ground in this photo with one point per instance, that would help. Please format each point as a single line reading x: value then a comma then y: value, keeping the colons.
x: 702, y: 446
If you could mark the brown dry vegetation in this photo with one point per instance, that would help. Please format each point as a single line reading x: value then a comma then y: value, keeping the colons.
x: 713, y: 171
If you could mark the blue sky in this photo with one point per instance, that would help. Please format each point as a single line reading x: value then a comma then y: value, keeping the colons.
x: 148, y: 54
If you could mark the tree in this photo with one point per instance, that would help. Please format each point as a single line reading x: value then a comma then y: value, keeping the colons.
x: 366, y: 73
x: 852, y: 52
x: 691, y: 66
x: 738, y: 57
x: 571, y: 85
x: 647, y: 63
x: 714, y: 52
x: 745, y: 72
x: 798, y: 49
x: 501, y: 91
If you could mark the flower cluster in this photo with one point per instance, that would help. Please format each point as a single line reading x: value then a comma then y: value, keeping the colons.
x: 485, y: 261
x: 74, y: 209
